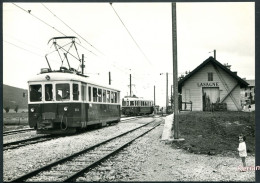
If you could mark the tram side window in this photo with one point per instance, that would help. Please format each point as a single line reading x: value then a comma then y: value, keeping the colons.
x: 116, y: 97
x: 94, y: 94
x: 62, y: 92
x: 75, y: 92
x: 48, y: 92
x: 35, y: 93
x: 89, y: 94
x: 99, y: 95
x: 104, y: 95
x: 83, y: 92
x: 112, y: 97
x: 108, y: 96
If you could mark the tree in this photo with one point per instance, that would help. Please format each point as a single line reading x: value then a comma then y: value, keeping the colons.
x: 7, y: 109
x: 16, y: 108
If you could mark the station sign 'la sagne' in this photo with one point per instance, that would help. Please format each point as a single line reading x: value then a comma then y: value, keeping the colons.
x: 206, y: 84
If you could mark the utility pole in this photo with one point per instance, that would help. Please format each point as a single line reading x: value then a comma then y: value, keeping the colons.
x: 130, y: 86
x: 154, y: 94
x: 109, y: 76
x: 167, y: 97
x: 82, y: 65
x: 215, y: 54
x: 171, y: 97
x: 175, y: 72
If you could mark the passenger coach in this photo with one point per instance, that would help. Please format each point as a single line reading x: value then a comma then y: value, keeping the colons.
x: 63, y: 101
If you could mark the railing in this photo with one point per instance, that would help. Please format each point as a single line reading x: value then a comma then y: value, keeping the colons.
x: 186, y: 106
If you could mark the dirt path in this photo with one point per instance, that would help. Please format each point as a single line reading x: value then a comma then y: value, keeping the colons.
x: 165, y: 163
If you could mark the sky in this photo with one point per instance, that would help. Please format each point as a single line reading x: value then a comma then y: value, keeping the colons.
x: 128, y: 38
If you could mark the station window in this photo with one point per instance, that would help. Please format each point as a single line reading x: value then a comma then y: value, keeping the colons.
x: 62, y: 92
x: 48, y: 92
x: 99, y: 95
x: 35, y: 93
x: 83, y: 92
x: 104, y: 95
x: 210, y: 76
x: 108, y: 96
x: 94, y: 94
x: 89, y: 94
x: 75, y: 91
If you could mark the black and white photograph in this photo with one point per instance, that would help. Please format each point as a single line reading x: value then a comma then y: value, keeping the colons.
x: 129, y: 91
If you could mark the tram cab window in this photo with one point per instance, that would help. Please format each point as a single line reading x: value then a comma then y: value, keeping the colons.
x: 123, y: 103
x: 104, y: 95
x: 62, y: 92
x: 132, y: 103
x: 99, y: 95
x: 35, y: 93
x: 48, y: 92
x: 89, y: 94
x: 108, y: 96
x: 118, y: 97
x: 94, y: 94
x: 75, y: 91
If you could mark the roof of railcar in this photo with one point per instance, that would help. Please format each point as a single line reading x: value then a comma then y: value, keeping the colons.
x: 135, y: 99
x: 63, y: 76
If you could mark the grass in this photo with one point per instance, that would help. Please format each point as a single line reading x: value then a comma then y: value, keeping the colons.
x: 216, y: 132
x: 15, y: 118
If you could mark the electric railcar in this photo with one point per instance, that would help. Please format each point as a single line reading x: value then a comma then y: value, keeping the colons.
x: 63, y: 101
x: 132, y: 106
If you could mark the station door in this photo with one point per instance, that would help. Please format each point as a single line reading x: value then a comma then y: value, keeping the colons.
x: 210, y: 95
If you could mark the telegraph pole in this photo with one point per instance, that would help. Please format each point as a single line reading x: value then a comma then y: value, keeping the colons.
x: 109, y: 76
x: 175, y: 71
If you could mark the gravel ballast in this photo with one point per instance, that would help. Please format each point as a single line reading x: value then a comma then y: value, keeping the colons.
x: 146, y: 159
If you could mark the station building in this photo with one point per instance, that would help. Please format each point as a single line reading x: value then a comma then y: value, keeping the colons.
x: 212, y: 86
x: 248, y: 93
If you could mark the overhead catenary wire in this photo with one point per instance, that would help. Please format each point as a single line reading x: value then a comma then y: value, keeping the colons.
x: 39, y: 19
x: 62, y: 33
x: 24, y: 49
x: 131, y: 35
x: 72, y: 30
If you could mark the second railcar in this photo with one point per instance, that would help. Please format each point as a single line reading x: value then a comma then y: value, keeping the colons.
x: 134, y: 106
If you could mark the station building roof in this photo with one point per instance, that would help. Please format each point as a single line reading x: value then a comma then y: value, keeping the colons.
x: 213, y: 61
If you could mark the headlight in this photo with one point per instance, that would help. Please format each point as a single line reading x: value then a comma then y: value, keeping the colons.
x: 65, y: 108
x: 32, y: 109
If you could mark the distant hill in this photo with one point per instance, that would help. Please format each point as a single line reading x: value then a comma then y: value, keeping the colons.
x: 13, y: 96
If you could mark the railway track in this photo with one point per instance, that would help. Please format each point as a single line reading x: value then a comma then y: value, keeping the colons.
x: 12, y: 132
x: 28, y: 141
x: 37, y: 139
x: 71, y: 167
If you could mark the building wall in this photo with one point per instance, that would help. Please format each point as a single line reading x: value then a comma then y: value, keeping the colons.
x: 201, y: 76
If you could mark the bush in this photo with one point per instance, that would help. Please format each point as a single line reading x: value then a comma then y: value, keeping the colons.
x: 7, y: 109
x: 16, y: 108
